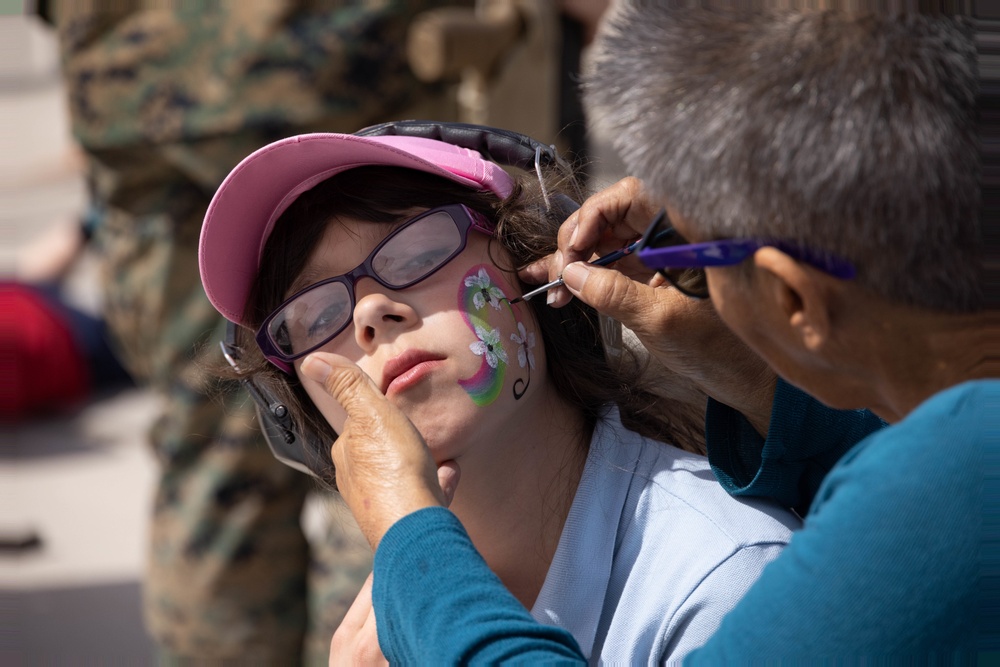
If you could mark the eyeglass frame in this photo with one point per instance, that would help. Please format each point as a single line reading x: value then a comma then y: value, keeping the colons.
x: 725, y: 252
x: 465, y: 219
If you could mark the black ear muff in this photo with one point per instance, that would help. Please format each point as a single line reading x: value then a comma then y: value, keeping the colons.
x: 308, y: 453
x: 506, y: 148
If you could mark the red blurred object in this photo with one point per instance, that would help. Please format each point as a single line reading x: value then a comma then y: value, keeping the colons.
x: 42, y: 368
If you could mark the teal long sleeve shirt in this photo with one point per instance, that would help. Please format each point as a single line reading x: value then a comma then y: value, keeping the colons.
x: 894, y: 560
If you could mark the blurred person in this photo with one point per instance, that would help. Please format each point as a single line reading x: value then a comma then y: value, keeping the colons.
x: 56, y: 354
x: 165, y: 101
x: 587, y: 13
x: 822, y: 168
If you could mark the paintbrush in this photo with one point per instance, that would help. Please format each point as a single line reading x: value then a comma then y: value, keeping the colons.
x: 600, y: 261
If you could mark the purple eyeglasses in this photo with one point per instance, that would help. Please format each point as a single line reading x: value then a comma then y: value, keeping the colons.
x: 315, y: 315
x: 683, y: 264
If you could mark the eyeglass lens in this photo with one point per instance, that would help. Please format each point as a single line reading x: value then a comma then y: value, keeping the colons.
x: 405, y: 257
x: 690, y: 281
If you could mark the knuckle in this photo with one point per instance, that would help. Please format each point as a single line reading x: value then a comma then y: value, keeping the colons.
x: 631, y: 185
x: 629, y: 302
x: 622, y: 290
x: 345, y: 383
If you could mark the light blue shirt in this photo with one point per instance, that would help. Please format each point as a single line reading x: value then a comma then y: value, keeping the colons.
x: 654, y: 552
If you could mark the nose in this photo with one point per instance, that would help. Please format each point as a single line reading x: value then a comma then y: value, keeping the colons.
x: 379, y: 314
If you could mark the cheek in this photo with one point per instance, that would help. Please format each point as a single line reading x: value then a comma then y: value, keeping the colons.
x: 726, y: 302
x: 741, y: 310
x: 505, y: 340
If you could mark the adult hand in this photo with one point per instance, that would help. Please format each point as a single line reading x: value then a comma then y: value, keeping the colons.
x: 605, y: 222
x: 685, y: 335
x: 384, y: 469
x: 356, y: 640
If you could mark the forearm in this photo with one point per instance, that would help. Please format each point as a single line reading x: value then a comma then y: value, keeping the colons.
x: 437, y: 602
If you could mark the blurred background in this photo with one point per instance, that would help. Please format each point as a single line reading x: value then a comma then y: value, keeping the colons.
x: 75, y: 487
x: 78, y: 478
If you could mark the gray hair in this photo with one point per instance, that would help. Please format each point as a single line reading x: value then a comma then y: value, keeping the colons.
x: 854, y: 134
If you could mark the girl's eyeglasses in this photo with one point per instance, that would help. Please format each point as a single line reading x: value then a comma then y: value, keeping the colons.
x: 315, y: 315
x: 683, y: 264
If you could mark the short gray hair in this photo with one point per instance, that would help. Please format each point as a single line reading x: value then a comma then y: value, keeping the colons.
x: 854, y: 134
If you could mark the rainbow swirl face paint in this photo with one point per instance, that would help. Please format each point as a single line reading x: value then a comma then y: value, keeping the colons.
x: 487, y: 311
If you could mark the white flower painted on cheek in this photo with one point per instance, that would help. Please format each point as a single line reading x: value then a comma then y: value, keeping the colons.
x: 489, y: 346
x: 526, y: 342
x: 486, y: 292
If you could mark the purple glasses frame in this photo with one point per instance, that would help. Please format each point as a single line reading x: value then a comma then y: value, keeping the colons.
x: 465, y: 219
x: 726, y: 252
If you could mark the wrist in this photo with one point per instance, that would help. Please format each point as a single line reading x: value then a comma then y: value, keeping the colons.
x: 376, y: 517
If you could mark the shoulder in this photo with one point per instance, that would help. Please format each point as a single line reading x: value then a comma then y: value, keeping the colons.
x: 971, y: 406
x: 922, y: 481
x: 685, y: 551
x: 941, y: 442
x: 676, y: 493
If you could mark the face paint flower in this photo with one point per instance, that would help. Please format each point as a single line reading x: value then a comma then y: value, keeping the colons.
x: 526, y: 341
x: 489, y: 346
x: 486, y: 291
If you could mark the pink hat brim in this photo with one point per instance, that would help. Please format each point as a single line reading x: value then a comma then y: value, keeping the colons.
x: 255, y: 194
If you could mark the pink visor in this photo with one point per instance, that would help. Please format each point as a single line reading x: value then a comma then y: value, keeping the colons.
x: 260, y: 188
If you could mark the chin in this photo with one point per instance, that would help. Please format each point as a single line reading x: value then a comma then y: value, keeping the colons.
x: 444, y: 438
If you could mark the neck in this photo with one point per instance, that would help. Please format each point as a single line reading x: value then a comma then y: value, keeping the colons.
x: 917, y: 353
x: 514, y: 504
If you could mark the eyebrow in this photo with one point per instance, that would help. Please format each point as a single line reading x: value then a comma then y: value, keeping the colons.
x: 306, y: 278
x: 312, y: 274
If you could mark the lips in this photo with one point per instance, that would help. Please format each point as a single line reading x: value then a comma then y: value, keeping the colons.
x: 403, y: 363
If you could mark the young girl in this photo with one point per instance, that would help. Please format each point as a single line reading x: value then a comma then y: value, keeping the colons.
x: 400, y: 253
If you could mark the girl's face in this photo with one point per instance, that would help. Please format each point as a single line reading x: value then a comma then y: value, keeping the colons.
x: 449, y: 351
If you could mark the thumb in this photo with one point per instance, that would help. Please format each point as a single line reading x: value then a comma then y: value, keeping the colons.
x: 343, y: 380
x: 616, y: 295
x: 383, y: 467
x: 369, y: 416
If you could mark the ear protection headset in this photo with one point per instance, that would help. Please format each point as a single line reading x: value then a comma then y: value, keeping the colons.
x: 290, y: 442
x: 506, y: 148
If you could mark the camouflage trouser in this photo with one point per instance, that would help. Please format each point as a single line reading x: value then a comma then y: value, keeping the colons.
x: 230, y: 572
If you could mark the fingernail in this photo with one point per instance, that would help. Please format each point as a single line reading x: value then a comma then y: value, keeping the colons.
x: 557, y: 258
x: 575, y: 276
x: 551, y: 296
x: 572, y: 238
x: 316, y: 369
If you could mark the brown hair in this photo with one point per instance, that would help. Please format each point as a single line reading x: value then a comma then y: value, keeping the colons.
x: 574, y: 347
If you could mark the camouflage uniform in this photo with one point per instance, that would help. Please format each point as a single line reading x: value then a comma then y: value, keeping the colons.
x: 165, y: 103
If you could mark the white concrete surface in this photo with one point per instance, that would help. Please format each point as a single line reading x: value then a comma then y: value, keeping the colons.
x: 83, y: 482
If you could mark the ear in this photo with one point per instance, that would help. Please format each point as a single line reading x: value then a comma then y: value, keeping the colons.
x: 798, y: 291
